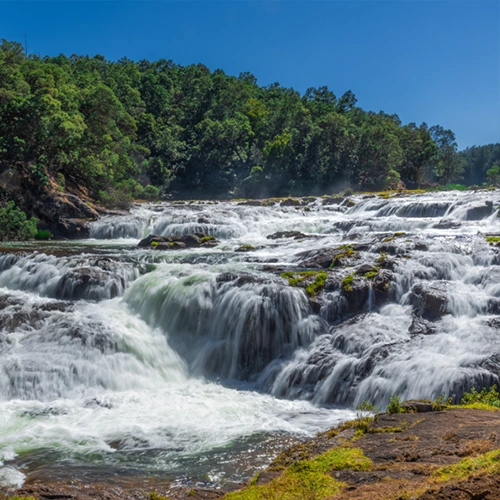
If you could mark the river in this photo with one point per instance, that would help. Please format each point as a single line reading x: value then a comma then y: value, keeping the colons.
x: 199, y: 365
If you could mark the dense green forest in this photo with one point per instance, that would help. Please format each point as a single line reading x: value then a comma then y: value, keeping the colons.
x: 138, y: 129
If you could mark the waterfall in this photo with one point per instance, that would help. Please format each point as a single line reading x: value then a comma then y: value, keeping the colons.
x: 173, y: 361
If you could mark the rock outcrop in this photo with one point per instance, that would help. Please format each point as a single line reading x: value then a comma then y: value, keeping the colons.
x: 196, y: 240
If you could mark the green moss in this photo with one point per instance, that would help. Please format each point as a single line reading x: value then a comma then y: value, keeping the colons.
x: 347, y: 283
x: 154, y: 244
x: 313, y: 288
x: 382, y: 258
x: 388, y: 239
x: 371, y: 274
x: 493, y: 240
x: 399, y: 234
x: 204, y: 239
x: 245, y: 248
x: 317, y: 285
x: 336, y: 259
x: 308, y: 478
x: 307, y: 209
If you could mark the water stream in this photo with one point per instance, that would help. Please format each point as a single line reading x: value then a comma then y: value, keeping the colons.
x: 200, y: 365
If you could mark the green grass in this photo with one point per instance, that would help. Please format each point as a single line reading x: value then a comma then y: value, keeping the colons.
x: 487, y: 462
x: 308, y: 479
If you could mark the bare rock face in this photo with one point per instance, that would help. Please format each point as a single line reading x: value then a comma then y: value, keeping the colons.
x: 429, y: 301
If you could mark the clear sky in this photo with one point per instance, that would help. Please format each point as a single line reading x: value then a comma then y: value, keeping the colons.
x: 437, y: 62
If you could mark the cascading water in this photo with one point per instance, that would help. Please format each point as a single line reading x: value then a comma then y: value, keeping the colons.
x: 118, y: 358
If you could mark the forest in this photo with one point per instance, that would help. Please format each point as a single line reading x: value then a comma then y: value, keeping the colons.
x: 144, y: 130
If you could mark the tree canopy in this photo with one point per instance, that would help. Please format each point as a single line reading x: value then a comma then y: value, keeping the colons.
x: 188, y: 131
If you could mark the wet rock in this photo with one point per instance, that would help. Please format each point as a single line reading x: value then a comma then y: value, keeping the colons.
x: 447, y: 224
x: 331, y: 257
x: 429, y: 301
x: 177, y: 242
x: 152, y: 238
x: 362, y: 293
x: 286, y: 234
x: 332, y: 200
x: 88, y: 283
x: 191, y: 241
x: 366, y: 268
x: 291, y: 202
x: 209, y: 244
x: 420, y: 326
x: 73, y: 228
x: 480, y: 212
x: 245, y: 248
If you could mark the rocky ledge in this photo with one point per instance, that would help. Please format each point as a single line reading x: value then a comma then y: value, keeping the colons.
x: 429, y: 452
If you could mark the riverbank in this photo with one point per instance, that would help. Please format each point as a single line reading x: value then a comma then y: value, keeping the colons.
x: 453, y: 453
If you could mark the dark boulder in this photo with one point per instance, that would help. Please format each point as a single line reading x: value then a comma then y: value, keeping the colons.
x: 152, y: 238
x: 73, y: 228
x: 90, y: 284
x: 480, y: 212
x: 245, y: 248
x: 177, y: 242
x: 366, y: 268
x: 191, y: 240
x: 447, y: 224
x: 286, y: 234
x: 414, y: 406
x: 420, y: 326
x: 429, y: 301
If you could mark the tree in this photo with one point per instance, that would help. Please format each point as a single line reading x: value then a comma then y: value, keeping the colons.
x: 493, y: 175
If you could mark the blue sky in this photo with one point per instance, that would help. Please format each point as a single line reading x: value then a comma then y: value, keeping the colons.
x: 437, y: 62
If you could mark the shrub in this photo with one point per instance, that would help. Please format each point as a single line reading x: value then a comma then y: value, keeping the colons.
x: 14, y: 225
x: 364, y: 409
x: 489, y: 397
x: 61, y: 180
x: 116, y: 197
x: 394, y: 405
x: 151, y: 192
x: 43, y: 235
x: 493, y: 175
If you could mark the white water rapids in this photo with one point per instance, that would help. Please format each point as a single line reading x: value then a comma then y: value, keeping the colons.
x: 201, y: 364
